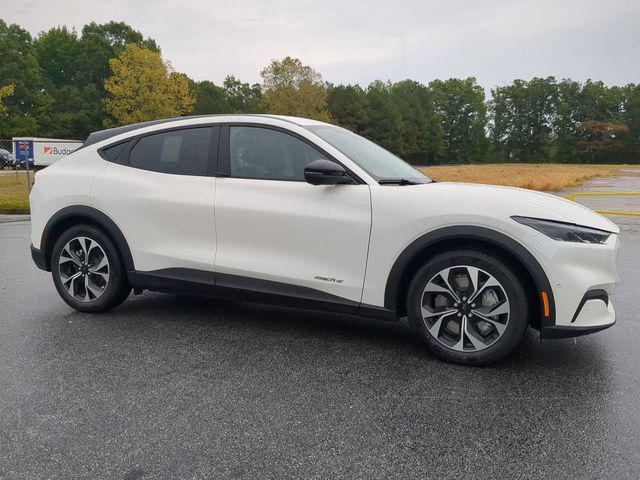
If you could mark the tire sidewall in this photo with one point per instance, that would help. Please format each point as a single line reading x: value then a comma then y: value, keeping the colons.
x: 518, y: 317
x: 117, y: 280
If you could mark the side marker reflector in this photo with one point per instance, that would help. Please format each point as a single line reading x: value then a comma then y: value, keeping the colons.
x: 545, y: 304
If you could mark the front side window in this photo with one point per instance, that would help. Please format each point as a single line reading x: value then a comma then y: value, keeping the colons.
x: 267, y: 154
x: 182, y: 152
x: 373, y: 159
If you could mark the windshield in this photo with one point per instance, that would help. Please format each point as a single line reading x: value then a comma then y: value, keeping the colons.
x: 373, y: 159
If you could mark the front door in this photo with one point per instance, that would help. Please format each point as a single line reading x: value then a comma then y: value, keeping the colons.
x: 298, y: 239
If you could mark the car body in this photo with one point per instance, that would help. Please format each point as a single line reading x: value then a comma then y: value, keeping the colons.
x: 235, y: 217
x: 6, y: 159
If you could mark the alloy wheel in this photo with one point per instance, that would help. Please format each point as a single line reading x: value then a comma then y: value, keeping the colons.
x: 465, y: 308
x: 84, y: 269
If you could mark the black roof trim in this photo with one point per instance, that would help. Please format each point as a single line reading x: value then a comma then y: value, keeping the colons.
x: 101, y: 135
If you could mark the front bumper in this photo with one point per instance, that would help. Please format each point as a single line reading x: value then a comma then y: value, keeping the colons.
x: 595, y: 313
x: 582, y: 278
x: 39, y: 258
x: 560, y: 331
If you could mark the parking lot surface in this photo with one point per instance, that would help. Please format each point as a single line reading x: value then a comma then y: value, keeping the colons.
x: 172, y: 387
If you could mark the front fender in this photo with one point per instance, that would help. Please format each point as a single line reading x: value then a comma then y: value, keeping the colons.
x: 397, y: 280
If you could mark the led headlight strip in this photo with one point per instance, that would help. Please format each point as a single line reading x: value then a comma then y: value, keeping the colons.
x: 566, y: 232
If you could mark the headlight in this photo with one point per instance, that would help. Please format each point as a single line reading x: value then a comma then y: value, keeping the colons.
x: 567, y: 232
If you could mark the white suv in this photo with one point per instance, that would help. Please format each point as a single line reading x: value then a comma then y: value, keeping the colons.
x: 298, y: 212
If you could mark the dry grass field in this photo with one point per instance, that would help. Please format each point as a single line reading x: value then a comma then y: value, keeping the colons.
x: 548, y: 177
x: 13, y: 192
x: 539, y: 176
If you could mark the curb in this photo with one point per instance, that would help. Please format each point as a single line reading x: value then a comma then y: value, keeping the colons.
x: 14, y: 218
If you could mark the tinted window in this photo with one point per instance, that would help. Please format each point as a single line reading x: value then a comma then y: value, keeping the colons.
x: 268, y: 154
x: 183, y: 152
x: 375, y: 160
x: 112, y: 153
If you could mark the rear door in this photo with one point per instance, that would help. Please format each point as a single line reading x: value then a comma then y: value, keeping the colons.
x: 297, y: 239
x: 159, y: 189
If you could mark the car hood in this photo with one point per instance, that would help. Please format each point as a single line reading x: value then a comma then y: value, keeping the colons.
x: 538, y: 204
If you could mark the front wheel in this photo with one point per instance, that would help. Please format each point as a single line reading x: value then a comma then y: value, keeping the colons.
x: 468, y: 306
x: 87, y: 270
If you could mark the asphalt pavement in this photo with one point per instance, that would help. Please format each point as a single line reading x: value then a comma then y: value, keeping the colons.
x: 174, y: 387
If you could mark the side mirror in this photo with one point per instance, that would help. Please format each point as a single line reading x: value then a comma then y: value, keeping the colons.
x: 326, y: 172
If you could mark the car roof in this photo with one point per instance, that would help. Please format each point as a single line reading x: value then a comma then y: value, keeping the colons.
x: 101, y: 135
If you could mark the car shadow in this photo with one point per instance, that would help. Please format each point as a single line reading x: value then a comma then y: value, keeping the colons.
x: 284, y: 324
x: 253, y: 319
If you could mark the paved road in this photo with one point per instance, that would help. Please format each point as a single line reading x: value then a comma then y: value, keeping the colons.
x: 165, y: 387
x: 628, y: 180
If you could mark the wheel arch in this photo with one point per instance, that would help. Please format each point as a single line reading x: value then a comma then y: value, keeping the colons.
x: 457, y: 237
x: 76, y: 215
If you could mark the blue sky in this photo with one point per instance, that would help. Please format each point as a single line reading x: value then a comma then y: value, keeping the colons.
x: 359, y: 41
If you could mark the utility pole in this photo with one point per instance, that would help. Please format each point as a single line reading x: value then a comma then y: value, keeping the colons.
x: 26, y: 162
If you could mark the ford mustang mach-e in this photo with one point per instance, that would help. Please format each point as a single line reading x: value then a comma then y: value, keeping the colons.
x: 303, y: 213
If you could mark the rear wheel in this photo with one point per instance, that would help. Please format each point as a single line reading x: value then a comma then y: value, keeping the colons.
x: 87, y: 270
x: 468, y: 306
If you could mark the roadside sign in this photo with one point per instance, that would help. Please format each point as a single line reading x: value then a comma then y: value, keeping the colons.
x: 23, y: 151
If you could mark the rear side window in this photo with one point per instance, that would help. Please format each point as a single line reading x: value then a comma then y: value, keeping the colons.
x: 182, y: 152
x: 114, y: 152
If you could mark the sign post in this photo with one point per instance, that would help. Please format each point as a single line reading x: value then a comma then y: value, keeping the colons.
x: 23, y: 150
x: 28, y: 179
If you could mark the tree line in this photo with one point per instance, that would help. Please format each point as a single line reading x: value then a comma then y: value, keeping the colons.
x: 66, y: 84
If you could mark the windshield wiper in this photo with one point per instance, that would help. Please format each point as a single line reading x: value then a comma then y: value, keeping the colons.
x: 399, y: 181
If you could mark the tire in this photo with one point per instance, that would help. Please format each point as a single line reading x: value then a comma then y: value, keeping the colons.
x: 96, y: 287
x: 463, y: 324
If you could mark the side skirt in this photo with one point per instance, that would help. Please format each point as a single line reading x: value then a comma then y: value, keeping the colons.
x: 222, y: 285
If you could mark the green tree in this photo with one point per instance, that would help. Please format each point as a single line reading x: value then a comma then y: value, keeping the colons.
x: 242, y: 97
x: 631, y: 117
x: 6, y: 91
x: 602, y: 140
x: 462, y: 111
x: 600, y: 102
x: 19, y: 66
x: 65, y: 84
x: 102, y: 42
x: 420, y: 129
x: 569, y: 116
x: 602, y: 133
x: 143, y: 87
x: 210, y: 98
x: 291, y: 88
x: 523, y: 117
x: 57, y: 51
x: 72, y: 115
x: 348, y: 106
x: 76, y: 108
x: 385, y: 122
x: 99, y: 43
x: 590, y: 123
x: 233, y: 97
x: 74, y: 70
